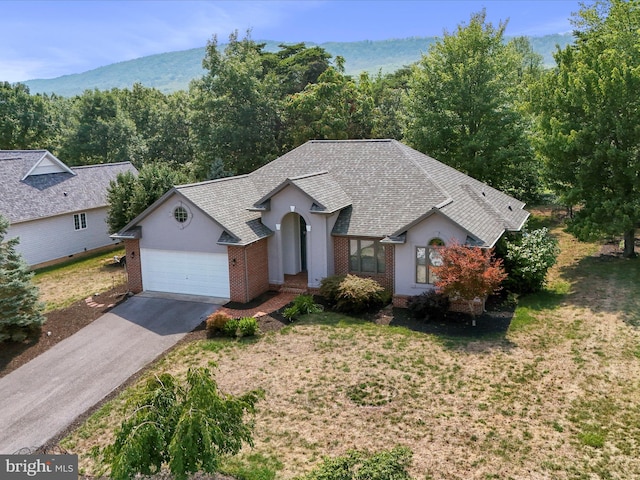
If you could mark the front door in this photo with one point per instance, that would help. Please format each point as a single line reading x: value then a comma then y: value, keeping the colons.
x: 303, y: 245
x: 294, y: 244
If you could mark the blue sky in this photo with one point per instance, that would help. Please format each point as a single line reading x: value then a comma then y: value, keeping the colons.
x: 47, y: 39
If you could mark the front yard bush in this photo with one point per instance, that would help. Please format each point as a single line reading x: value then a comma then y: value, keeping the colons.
x: 216, y: 322
x: 247, y: 327
x: 230, y: 328
x: 330, y: 288
x: 429, y: 305
x: 352, y: 294
x: 188, y: 427
x: 357, y: 465
x: 301, y: 305
x: 527, y: 259
x: 240, y: 327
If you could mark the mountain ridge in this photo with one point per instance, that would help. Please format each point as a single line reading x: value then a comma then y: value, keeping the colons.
x: 172, y: 71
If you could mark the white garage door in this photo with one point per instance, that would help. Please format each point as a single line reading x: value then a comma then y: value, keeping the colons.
x: 188, y: 273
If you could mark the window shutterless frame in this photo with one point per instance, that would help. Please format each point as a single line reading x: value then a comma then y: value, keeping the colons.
x: 79, y: 221
x: 427, y: 257
x: 366, y: 256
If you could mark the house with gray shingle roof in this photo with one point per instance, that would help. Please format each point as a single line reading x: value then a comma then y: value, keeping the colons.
x: 374, y: 208
x: 56, y: 211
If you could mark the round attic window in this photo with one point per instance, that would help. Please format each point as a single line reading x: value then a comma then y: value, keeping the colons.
x: 181, y: 214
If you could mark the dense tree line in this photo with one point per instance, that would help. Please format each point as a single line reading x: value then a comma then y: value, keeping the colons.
x: 475, y: 101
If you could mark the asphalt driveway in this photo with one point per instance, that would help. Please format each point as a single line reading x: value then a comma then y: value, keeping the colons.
x: 43, y: 397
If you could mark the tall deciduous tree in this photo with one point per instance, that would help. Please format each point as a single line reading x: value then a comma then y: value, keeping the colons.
x: 462, y: 108
x: 26, y: 121
x: 335, y: 108
x: 589, y: 121
x: 234, y: 107
x: 388, y: 92
x: 102, y: 131
x: 20, y: 309
x: 129, y: 195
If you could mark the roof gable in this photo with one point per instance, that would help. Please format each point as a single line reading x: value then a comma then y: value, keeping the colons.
x: 36, y: 184
x: 226, y: 201
x: 47, y: 164
x: 326, y: 194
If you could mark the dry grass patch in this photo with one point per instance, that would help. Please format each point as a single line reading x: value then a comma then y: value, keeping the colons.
x: 63, y: 284
x: 557, y: 397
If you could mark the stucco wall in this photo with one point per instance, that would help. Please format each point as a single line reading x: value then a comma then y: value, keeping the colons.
x: 162, y: 231
x: 283, y: 247
x: 435, y: 226
x: 55, y: 237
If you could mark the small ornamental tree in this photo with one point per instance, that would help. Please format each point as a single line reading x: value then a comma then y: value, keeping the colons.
x: 20, y: 309
x: 468, y: 273
x: 187, y: 427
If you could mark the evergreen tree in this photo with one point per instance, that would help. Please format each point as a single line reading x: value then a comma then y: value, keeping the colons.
x: 20, y: 310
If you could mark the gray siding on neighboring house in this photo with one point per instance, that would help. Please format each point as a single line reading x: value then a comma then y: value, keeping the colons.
x: 161, y: 231
x: 55, y: 237
x: 435, y: 226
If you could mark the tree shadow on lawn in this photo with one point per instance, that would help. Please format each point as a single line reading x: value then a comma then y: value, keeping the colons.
x: 606, y: 283
x: 456, y: 331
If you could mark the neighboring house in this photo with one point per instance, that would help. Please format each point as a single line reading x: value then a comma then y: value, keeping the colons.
x: 375, y: 208
x: 57, y: 211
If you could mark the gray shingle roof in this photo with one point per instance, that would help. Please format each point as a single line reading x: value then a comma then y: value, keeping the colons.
x: 327, y: 194
x: 226, y: 201
x: 380, y: 187
x: 40, y: 196
x: 391, y: 186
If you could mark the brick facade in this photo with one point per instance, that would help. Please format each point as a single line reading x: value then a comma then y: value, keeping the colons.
x: 400, y: 301
x: 134, y: 267
x: 341, y: 263
x: 463, y: 306
x: 248, y: 271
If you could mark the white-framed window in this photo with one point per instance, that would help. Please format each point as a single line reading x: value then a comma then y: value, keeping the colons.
x: 80, y: 221
x: 181, y: 214
x: 366, y: 256
x: 427, y: 257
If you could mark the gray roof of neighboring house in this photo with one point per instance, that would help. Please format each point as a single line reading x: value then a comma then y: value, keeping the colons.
x: 381, y: 188
x: 40, y: 196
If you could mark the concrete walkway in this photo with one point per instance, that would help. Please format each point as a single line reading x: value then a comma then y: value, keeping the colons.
x: 43, y: 397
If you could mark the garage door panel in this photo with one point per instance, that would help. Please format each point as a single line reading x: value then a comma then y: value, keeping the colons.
x: 189, y: 273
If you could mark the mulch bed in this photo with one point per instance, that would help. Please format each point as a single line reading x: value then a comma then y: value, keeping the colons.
x: 59, y: 325
x: 62, y: 323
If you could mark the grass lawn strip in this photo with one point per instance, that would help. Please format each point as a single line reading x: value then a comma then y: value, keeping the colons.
x: 556, y: 398
x: 63, y: 284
